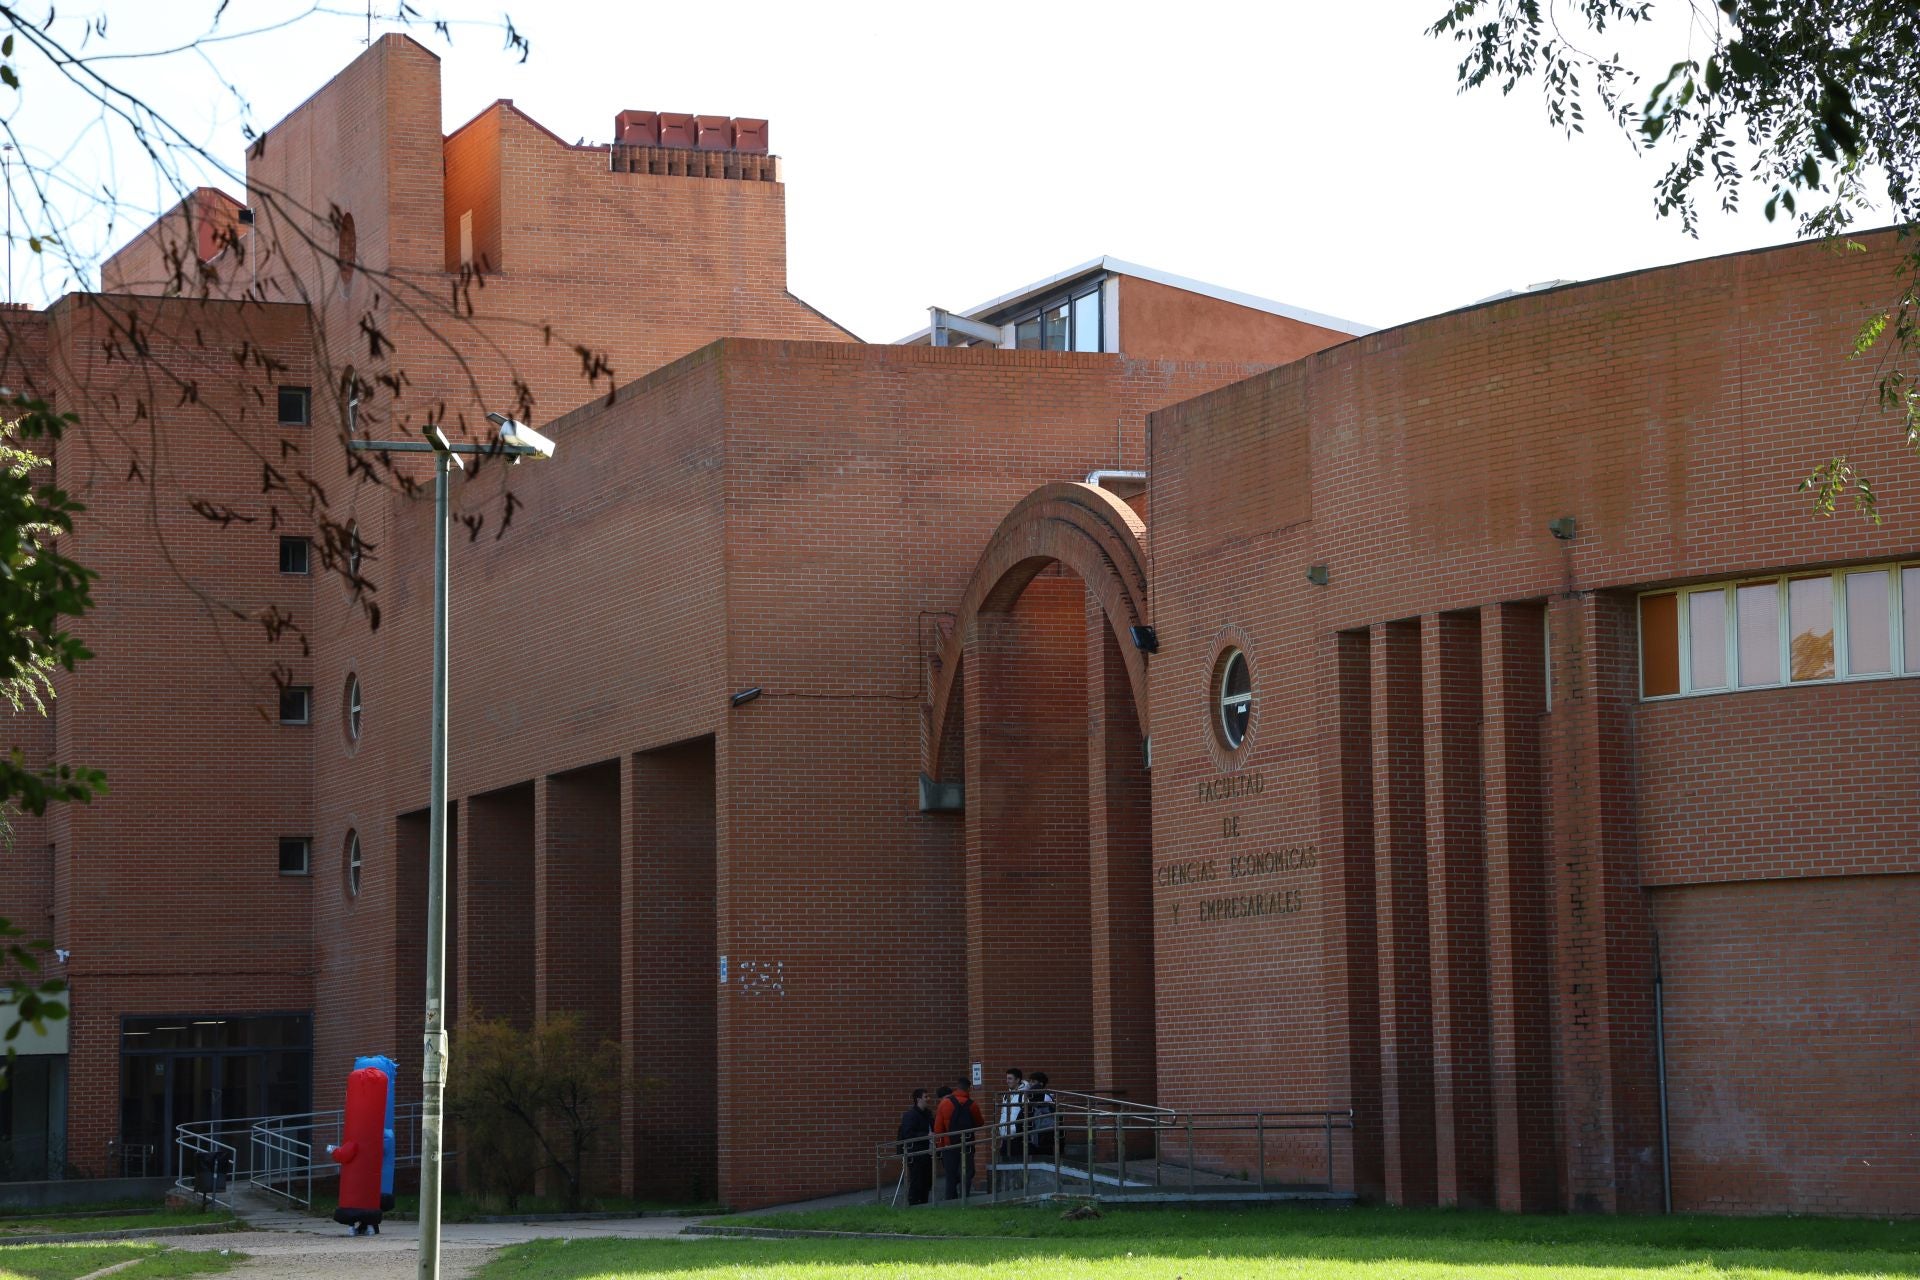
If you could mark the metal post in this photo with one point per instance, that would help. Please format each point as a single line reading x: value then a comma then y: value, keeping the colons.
x: 1660, y: 1067
x: 1189, y: 1153
x: 1089, y: 1148
x: 1260, y: 1130
x: 433, y: 1073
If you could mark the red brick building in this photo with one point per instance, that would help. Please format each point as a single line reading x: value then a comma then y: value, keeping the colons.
x: 1371, y: 730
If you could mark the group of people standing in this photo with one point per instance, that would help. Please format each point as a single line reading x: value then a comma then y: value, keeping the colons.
x: 952, y: 1123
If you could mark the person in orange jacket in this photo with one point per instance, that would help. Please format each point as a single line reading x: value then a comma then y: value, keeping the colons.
x: 958, y: 1113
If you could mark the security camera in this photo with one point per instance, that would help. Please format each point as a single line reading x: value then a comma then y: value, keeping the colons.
x: 520, y: 437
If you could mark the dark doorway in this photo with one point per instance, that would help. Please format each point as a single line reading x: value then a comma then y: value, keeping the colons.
x: 209, y: 1067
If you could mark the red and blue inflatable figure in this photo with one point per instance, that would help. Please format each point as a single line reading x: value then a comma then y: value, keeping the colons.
x: 362, y: 1151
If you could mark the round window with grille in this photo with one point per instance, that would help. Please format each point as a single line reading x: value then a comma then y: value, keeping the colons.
x: 1233, y: 698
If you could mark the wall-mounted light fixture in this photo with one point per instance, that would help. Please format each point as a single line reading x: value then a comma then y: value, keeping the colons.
x: 1561, y: 528
x: 1145, y: 639
x: 1317, y: 574
x: 743, y: 697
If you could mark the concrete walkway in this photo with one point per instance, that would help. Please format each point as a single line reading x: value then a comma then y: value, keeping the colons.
x: 294, y: 1246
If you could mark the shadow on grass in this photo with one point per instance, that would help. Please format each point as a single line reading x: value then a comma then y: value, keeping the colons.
x: 1364, y: 1245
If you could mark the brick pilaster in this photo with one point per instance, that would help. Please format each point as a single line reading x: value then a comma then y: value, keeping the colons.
x: 1120, y: 873
x: 1604, y: 975
x: 1456, y: 908
x: 1519, y: 909
x: 495, y: 888
x: 1349, y: 939
x: 1400, y: 887
x: 668, y: 963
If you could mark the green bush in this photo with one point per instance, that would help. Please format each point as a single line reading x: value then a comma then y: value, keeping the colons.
x: 529, y: 1101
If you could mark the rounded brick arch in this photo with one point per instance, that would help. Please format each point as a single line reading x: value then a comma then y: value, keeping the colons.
x: 1086, y: 529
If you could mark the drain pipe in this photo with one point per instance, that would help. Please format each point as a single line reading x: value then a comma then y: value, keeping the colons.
x: 1660, y: 1062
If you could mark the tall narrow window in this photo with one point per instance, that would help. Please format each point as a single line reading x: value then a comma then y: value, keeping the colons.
x: 1869, y: 624
x: 1659, y: 645
x: 1086, y: 322
x: 1759, y: 633
x: 1707, y: 638
x: 466, y: 238
x: 1056, y: 321
x: 1810, y: 619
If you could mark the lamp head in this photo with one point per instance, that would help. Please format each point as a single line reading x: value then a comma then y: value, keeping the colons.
x: 520, y: 438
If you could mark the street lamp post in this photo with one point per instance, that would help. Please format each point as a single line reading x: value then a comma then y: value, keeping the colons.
x: 516, y: 442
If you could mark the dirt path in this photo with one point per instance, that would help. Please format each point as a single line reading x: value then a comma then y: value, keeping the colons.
x: 292, y: 1247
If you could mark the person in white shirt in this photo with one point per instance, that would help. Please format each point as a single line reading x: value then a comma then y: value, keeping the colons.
x: 1009, y: 1126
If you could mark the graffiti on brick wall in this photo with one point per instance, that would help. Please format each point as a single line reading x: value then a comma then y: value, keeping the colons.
x: 762, y: 979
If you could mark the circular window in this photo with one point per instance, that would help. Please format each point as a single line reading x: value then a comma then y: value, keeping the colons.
x: 353, y: 549
x: 353, y: 864
x: 349, y: 248
x: 350, y: 708
x: 1233, y: 696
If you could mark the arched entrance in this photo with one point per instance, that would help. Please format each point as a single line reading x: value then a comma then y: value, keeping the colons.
x: 1037, y: 731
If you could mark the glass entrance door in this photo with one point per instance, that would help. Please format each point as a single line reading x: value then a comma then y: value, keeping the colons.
x: 188, y: 1070
x: 144, y: 1135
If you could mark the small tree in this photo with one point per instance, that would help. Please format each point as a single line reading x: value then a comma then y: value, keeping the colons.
x: 531, y: 1101
x: 40, y: 589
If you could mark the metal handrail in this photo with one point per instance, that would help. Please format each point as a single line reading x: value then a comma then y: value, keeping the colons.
x: 1130, y: 1151
x: 290, y: 1151
x: 283, y: 1154
x: 196, y: 1143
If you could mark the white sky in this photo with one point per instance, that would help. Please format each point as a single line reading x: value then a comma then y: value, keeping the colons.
x: 1313, y: 153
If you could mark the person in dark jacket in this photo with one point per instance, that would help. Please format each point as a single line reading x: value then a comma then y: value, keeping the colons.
x: 1041, y: 1125
x: 915, y: 1137
x: 958, y: 1113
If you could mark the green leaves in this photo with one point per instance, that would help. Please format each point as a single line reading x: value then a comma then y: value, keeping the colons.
x: 1831, y: 480
x: 40, y: 590
x: 1806, y: 100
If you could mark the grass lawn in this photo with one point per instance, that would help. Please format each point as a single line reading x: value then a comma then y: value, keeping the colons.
x: 1292, y: 1243
x: 67, y: 1261
x: 66, y: 1224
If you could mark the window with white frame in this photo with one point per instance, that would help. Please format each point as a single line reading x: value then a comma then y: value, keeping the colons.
x: 1795, y: 628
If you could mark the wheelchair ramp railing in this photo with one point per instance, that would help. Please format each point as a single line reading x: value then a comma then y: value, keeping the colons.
x: 1111, y: 1149
x: 281, y: 1156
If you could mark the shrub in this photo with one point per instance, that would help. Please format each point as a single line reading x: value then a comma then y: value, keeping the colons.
x: 530, y: 1101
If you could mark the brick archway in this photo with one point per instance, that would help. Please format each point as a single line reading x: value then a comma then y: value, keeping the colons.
x: 1082, y: 527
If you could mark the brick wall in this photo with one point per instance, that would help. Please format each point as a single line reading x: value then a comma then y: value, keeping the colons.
x: 1791, y: 1019
x: 169, y: 893
x: 1671, y: 413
